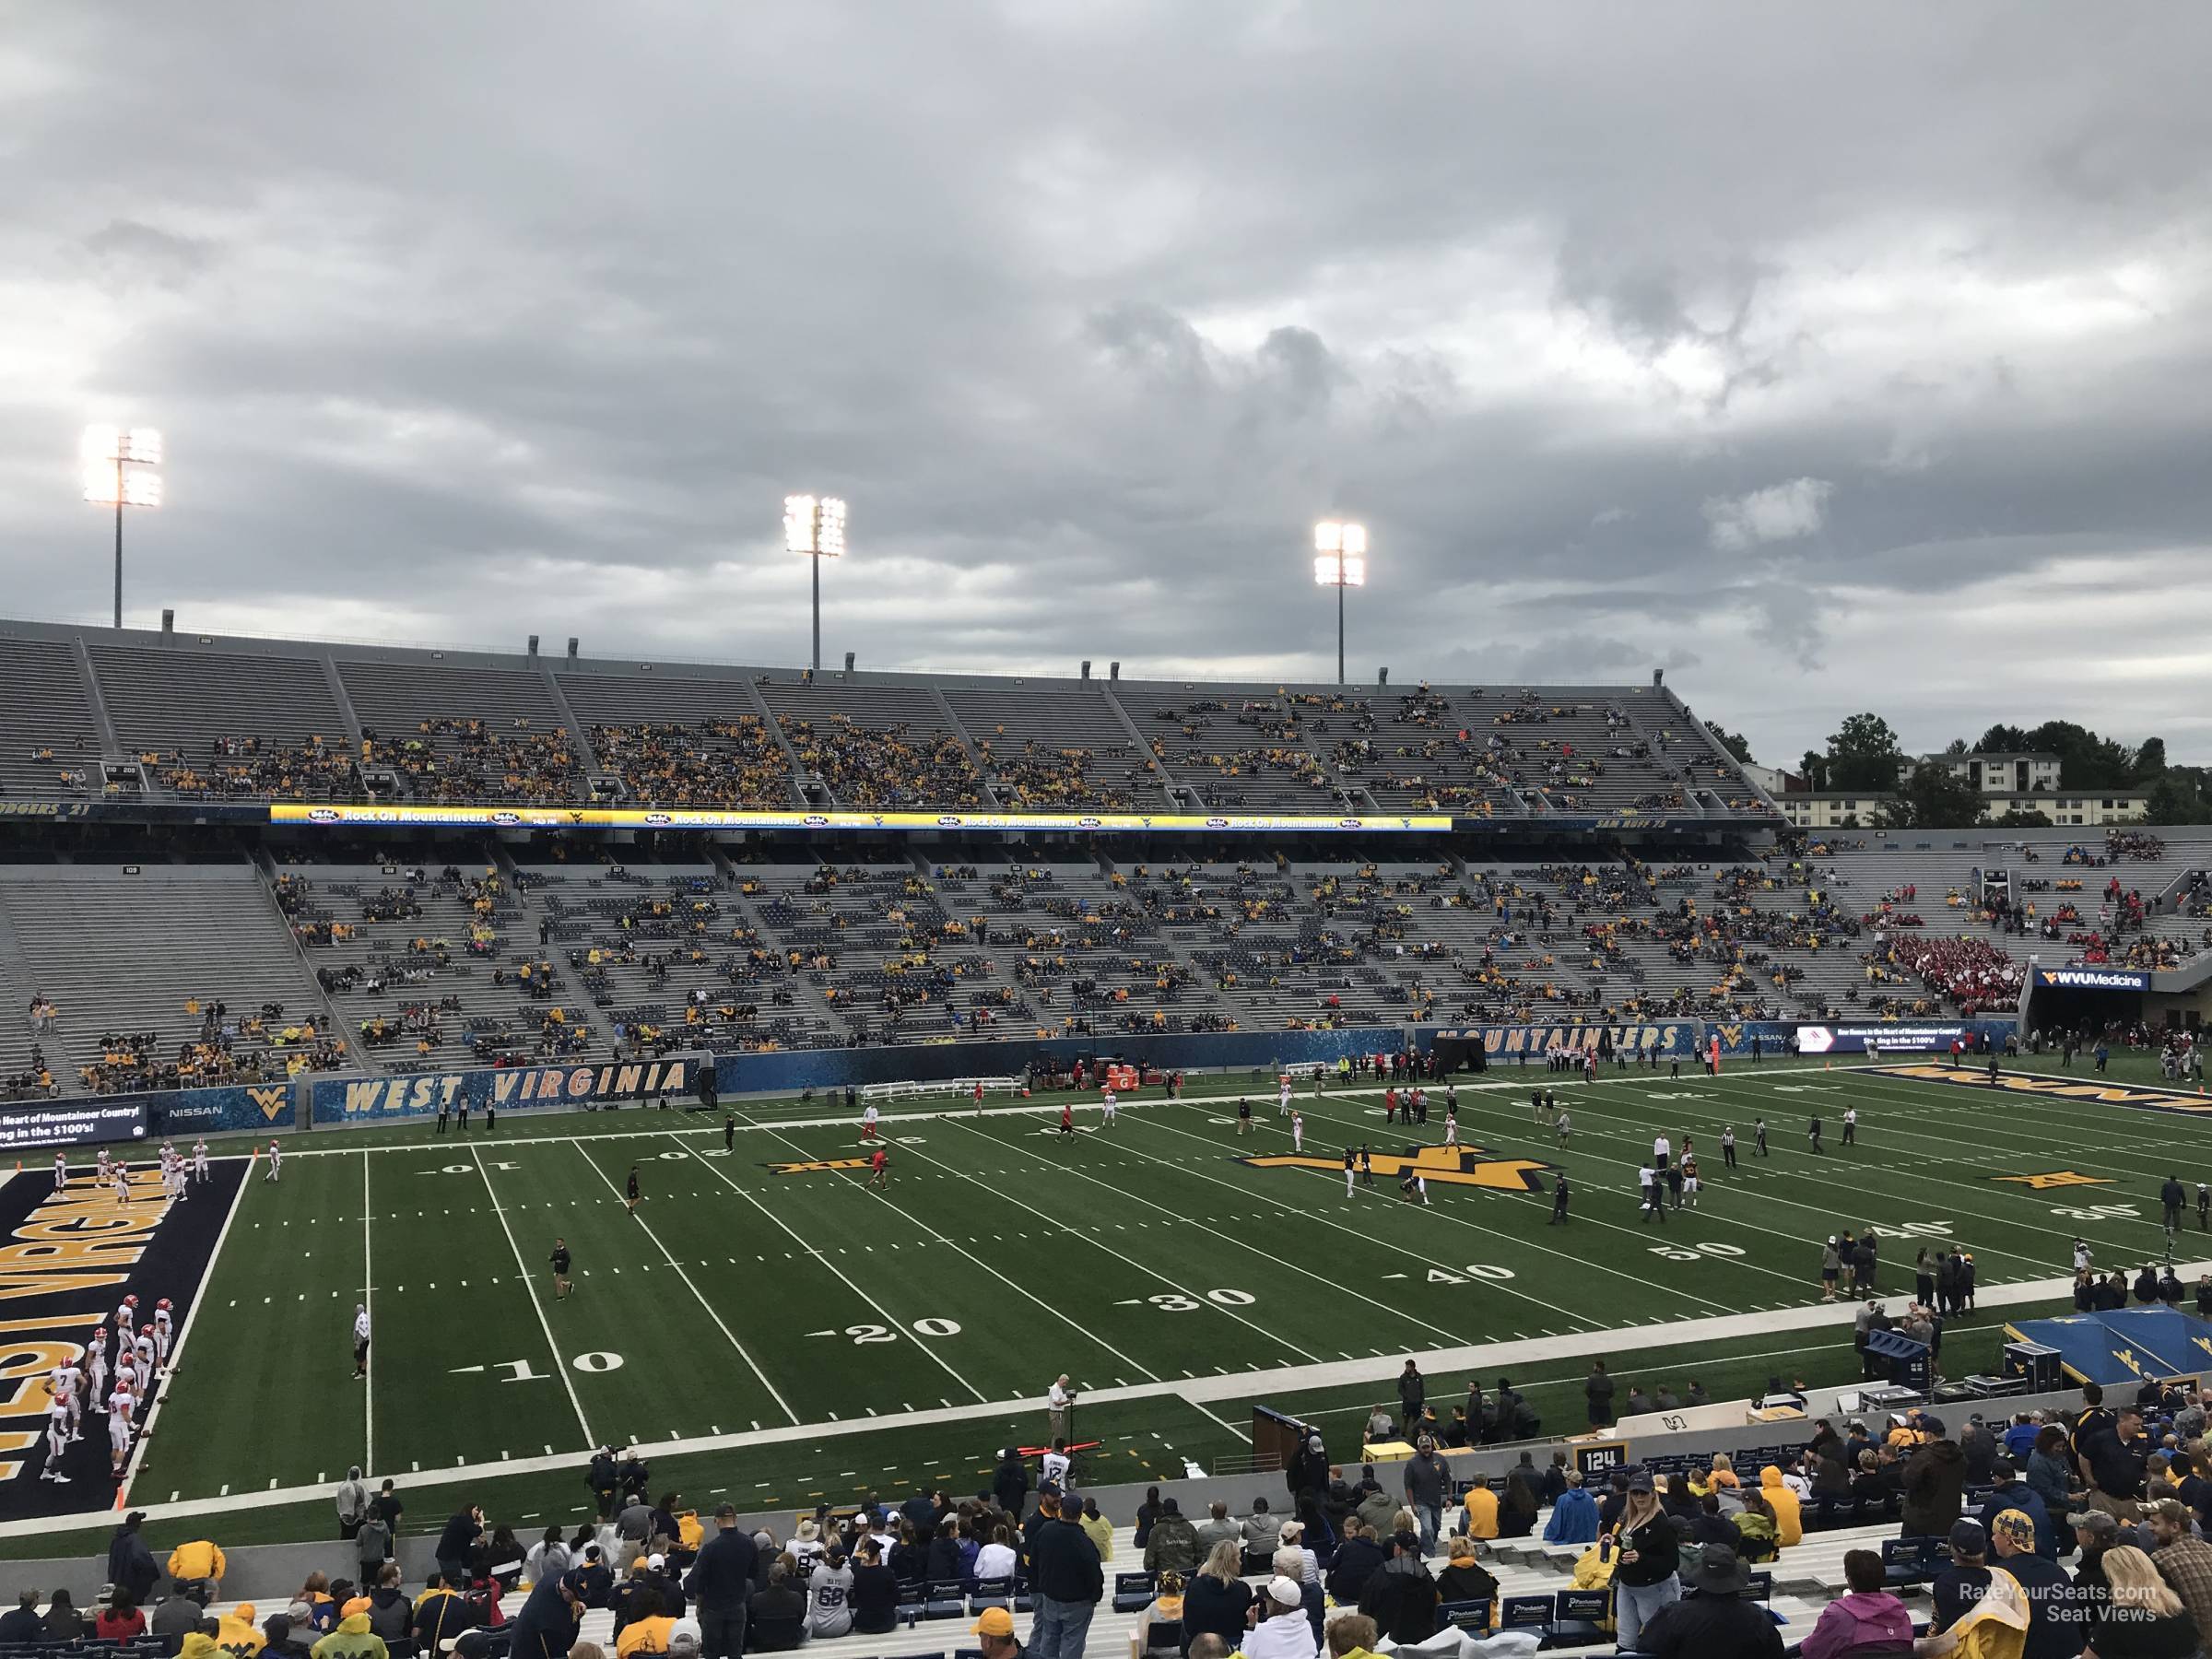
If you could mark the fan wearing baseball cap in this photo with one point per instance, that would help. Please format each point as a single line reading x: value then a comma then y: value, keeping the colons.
x: 2184, y: 1560
x: 1283, y: 1630
x: 2054, y: 1629
x: 1966, y: 1579
x: 994, y: 1634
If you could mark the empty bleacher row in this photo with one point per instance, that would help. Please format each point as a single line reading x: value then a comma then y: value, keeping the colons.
x: 233, y: 720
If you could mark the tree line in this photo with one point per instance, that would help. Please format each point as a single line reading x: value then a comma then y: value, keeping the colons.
x: 1864, y: 754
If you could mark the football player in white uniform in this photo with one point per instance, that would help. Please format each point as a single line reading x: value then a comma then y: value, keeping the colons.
x: 96, y: 1362
x: 199, y: 1161
x: 123, y: 1182
x: 57, y: 1441
x: 62, y: 1383
x: 61, y: 1172
x: 126, y: 1316
x: 164, y: 1333
x: 142, y: 1367
x: 123, y: 1406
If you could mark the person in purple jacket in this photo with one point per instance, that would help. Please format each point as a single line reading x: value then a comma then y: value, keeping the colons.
x: 1868, y: 1620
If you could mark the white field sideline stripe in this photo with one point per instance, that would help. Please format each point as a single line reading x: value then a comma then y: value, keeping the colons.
x: 368, y: 1307
x: 1235, y: 1385
x: 889, y: 1121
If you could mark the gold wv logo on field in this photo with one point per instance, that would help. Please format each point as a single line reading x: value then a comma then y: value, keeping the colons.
x: 2056, y: 1178
x: 816, y: 1168
x: 1451, y: 1166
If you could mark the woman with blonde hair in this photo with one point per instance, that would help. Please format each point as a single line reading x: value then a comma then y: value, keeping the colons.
x: 1165, y: 1609
x: 1723, y: 1471
x: 1217, y: 1599
x: 2144, y: 1619
x: 1644, y: 1572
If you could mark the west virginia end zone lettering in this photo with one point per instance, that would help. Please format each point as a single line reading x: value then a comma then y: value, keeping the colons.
x: 507, y: 1087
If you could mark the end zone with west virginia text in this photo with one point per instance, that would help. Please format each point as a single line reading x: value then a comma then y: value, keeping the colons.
x: 69, y: 1258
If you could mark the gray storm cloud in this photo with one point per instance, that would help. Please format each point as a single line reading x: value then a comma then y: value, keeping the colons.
x: 1830, y: 359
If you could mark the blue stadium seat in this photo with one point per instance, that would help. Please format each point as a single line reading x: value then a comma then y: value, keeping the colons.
x: 947, y: 1599
x: 991, y: 1593
x: 1910, y: 1560
x: 1577, y: 1618
x: 1525, y: 1613
x: 1473, y: 1616
x: 1133, y: 1592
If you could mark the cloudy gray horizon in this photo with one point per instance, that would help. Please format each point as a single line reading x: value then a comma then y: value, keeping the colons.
x: 1830, y: 358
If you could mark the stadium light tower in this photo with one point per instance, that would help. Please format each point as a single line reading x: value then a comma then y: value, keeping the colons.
x: 119, y: 466
x: 1339, y: 561
x: 815, y: 526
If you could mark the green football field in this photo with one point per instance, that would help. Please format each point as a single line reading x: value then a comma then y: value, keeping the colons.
x: 767, y: 1328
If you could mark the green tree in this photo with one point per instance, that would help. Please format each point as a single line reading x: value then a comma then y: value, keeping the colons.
x: 1956, y: 748
x: 2150, y: 760
x: 2086, y: 761
x: 2014, y: 818
x: 2176, y: 800
x: 1863, y: 754
x: 1813, y: 769
x: 2002, y: 740
x: 1734, y: 742
x: 1932, y: 799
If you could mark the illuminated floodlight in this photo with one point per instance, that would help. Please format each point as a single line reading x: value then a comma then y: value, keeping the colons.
x: 107, y: 486
x: 117, y: 473
x: 815, y: 526
x: 1339, y: 561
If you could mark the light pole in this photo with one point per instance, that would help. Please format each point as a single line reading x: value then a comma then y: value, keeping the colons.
x: 119, y: 469
x: 815, y: 526
x: 1339, y: 561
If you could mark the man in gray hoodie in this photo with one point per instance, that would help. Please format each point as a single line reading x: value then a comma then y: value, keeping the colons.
x: 353, y: 1503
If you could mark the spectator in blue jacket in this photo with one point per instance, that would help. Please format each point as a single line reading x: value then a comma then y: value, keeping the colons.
x: 1573, y: 1516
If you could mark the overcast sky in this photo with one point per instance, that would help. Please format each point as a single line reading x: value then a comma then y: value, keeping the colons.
x: 1829, y: 356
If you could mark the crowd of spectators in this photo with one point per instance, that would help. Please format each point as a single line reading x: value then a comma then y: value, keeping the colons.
x: 450, y: 759
x: 1037, y: 775
x: 247, y: 769
x: 730, y: 764
x: 897, y: 767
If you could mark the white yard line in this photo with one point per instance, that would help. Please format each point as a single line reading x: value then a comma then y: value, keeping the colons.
x: 1249, y: 1248
x: 1014, y: 1285
x: 145, y: 1430
x: 1099, y: 1243
x: 801, y: 1241
x: 368, y: 1307
x: 530, y: 1285
x: 668, y: 1256
x: 1282, y: 1381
